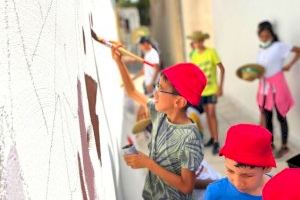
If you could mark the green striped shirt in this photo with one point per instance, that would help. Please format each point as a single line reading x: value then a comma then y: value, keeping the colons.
x: 172, y: 146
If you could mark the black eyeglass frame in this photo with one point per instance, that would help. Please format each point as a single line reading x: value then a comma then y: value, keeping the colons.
x: 157, y: 88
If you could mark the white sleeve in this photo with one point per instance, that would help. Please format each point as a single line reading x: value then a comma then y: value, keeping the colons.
x: 153, y: 57
x: 285, y: 49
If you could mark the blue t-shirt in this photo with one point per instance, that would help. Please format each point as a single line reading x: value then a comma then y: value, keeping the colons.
x: 224, y: 190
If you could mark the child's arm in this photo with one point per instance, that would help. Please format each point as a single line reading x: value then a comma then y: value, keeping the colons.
x: 222, y: 72
x: 184, y: 182
x: 128, y: 83
x: 202, y: 184
x: 296, y: 57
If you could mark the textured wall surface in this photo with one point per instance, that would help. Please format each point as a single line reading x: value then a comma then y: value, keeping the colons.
x: 47, y: 147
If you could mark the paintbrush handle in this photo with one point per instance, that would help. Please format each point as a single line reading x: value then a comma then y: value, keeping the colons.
x: 128, y: 53
x: 136, y: 57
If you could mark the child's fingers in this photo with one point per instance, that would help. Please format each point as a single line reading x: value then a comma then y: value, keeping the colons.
x: 116, y: 45
x: 128, y: 161
x: 131, y: 164
x: 115, y: 50
x: 131, y: 157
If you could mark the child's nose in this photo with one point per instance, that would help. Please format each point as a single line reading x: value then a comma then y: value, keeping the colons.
x: 239, y: 183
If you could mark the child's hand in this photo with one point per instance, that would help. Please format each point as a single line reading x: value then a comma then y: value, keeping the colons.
x: 137, y: 161
x: 142, y: 113
x: 287, y: 67
x: 220, y: 91
x: 116, y: 54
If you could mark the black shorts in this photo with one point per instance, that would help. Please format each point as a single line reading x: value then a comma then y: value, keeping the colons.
x: 212, y: 99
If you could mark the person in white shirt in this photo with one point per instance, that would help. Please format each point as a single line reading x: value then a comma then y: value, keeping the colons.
x: 273, y: 90
x: 150, y: 72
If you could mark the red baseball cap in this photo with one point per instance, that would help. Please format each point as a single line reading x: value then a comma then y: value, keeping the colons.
x: 188, y: 80
x: 285, y: 185
x: 249, y: 144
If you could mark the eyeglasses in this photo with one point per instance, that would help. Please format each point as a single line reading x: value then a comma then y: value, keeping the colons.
x: 157, y: 88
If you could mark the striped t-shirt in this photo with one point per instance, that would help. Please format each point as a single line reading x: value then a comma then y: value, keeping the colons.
x: 173, y: 147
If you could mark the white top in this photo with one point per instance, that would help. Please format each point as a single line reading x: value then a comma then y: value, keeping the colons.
x: 207, y: 172
x: 272, y: 58
x: 152, y: 57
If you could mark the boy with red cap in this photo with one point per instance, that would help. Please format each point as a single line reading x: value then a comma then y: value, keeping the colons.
x: 248, y: 157
x: 176, y: 143
x: 285, y: 185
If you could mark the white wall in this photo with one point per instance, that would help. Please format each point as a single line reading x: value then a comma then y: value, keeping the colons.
x: 131, y: 14
x: 166, y: 28
x: 44, y: 114
x: 235, y: 25
x: 196, y: 15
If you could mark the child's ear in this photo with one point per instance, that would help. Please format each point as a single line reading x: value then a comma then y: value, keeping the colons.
x: 184, y: 102
x: 181, y: 102
x: 177, y: 103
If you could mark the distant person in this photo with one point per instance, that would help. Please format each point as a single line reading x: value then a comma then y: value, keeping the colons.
x: 208, y: 61
x: 192, y: 45
x: 273, y: 92
x: 248, y: 158
x: 206, y: 175
x: 150, y: 73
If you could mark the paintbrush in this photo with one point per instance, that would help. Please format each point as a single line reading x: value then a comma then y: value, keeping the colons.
x: 110, y: 44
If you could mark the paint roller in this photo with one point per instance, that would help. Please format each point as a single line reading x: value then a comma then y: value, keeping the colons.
x: 110, y: 44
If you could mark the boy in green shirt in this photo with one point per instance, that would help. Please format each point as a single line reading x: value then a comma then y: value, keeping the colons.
x: 208, y: 61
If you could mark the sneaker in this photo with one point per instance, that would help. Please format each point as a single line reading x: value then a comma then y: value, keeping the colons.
x: 209, y: 143
x: 282, y: 151
x: 216, y: 148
